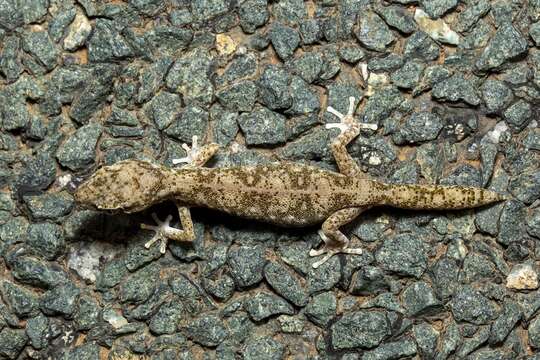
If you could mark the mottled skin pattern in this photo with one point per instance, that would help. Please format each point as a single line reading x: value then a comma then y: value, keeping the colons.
x: 285, y: 194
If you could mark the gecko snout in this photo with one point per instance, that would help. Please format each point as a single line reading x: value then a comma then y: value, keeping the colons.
x: 129, y: 185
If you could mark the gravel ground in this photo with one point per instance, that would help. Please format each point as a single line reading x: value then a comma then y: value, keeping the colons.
x: 454, y: 87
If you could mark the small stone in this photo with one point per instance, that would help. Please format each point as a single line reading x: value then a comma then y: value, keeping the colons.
x: 511, y: 222
x: 426, y: 337
x: 167, y: 318
x: 290, y: 11
x: 534, y: 332
x: 87, y: 313
x: 533, y: 223
x: 360, y: 329
x: 225, y: 45
x: 10, y: 63
x: 264, y: 305
x: 419, y: 299
x: 89, y: 350
x: 106, y: 44
x: 408, y: 77
x: 37, y: 174
x: 23, y: 302
x: 163, y: 109
x: 263, y: 348
x: 351, y: 53
x: 79, y: 31
x: 285, y: 283
x: 325, y: 277
x: 246, y: 265
x: 525, y: 187
x: 522, y: 277
x: 420, y: 45
x: 36, y: 273
x: 305, y: 100
x: 225, y: 125
x: 207, y: 10
x: 263, y: 127
x: 37, y: 331
x: 437, y: 8
x: 473, y: 12
x: 46, y: 239
x: 189, y: 76
x: 456, y: 88
x: 61, y: 300
x: 240, y: 96
x: 253, y: 14
x: 310, y: 31
x: 381, y: 104
x: 12, y: 342
x: 222, y: 288
x: 438, y: 30
x: 274, y: 87
x: 60, y: 22
x: 284, y: 39
x: 419, y: 127
x: 369, y: 280
x: 507, y: 44
x: 372, y: 31
x: 506, y: 321
x: 40, y: 46
x: 397, y: 17
x: 93, y: 95
x: 470, y: 305
x: 14, y: 112
x: 140, y: 285
x: 322, y: 308
x: 518, y: 115
x: 394, y: 350
x: 79, y: 150
x: 241, y: 67
x: 404, y: 254
x: 534, y: 32
x: 496, y: 95
x: 193, y: 120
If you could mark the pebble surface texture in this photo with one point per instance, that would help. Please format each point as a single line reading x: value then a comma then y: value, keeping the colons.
x: 454, y: 87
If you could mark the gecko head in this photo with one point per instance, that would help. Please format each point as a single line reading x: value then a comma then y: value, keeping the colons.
x: 129, y: 186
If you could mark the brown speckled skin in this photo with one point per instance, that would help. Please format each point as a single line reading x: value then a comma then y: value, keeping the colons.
x: 286, y: 194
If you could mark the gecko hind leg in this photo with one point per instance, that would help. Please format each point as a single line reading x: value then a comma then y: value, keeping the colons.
x: 350, y: 128
x: 335, y: 242
x: 197, y: 156
x: 164, y: 232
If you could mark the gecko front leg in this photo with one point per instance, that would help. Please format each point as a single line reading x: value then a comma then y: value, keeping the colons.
x: 335, y: 242
x: 195, y: 156
x: 164, y: 232
x: 350, y: 128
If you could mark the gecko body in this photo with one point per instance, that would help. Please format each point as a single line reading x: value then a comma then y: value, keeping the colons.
x: 286, y: 194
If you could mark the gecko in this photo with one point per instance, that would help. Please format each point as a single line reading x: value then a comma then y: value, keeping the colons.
x: 283, y: 193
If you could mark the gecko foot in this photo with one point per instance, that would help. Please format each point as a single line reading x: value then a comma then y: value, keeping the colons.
x: 192, y: 153
x: 347, y: 121
x: 161, y: 231
x: 328, y: 251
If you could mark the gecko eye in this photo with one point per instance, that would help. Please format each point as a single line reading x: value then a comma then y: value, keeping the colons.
x: 129, y: 185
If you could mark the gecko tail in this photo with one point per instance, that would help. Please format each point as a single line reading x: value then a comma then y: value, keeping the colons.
x: 439, y: 197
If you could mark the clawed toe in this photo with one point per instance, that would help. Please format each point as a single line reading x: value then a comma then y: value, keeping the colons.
x: 191, y: 152
x: 347, y: 121
x: 160, y: 232
x: 329, y: 251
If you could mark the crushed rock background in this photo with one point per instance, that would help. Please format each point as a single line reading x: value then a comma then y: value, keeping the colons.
x: 453, y: 85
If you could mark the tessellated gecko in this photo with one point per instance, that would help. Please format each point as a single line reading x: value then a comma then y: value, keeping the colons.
x: 286, y: 194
